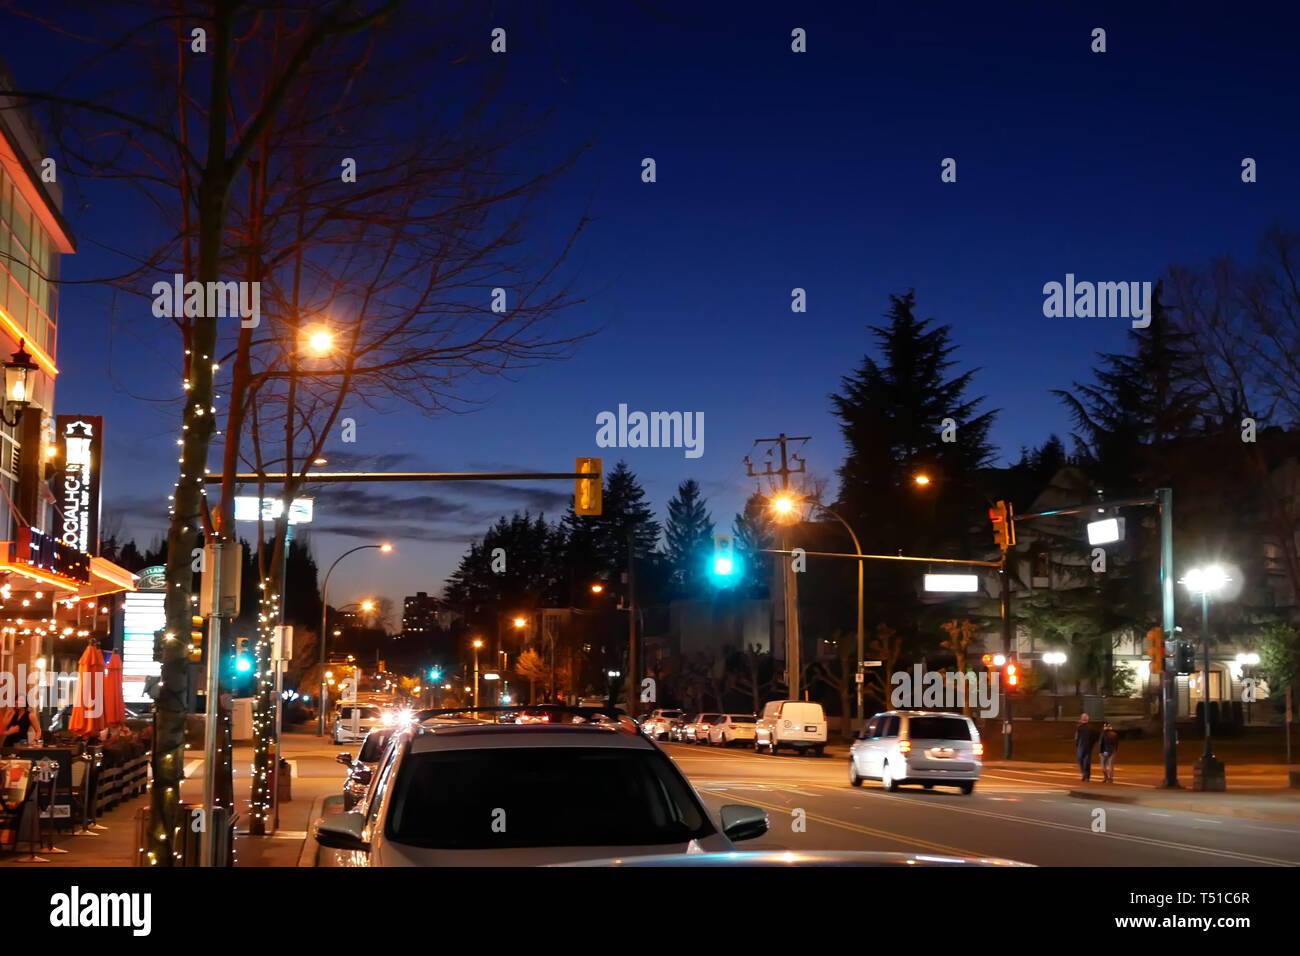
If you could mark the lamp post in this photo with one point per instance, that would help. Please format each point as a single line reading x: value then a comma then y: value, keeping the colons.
x: 324, y: 625
x: 785, y: 505
x: 1056, y: 659
x: 477, y: 644
x: 1208, y: 773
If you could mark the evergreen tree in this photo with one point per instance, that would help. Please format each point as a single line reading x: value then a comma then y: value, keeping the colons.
x: 902, y: 416
x: 689, y: 540
x: 752, y: 531
x: 1142, y: 399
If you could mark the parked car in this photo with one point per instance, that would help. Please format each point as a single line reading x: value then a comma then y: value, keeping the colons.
x: 677, y: 727
x: 730, y: 728
x: 657, y: 724
x: 698, y: 731
x: 361, y: 768
x: 912, y: 746
x: 353, y: 721
x: 507, y: 795
x: 795, y: 724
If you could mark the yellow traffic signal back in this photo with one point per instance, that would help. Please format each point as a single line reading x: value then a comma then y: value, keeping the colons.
x: 587, y: 491
x: 1156, y: 649
x: 1004, y: 525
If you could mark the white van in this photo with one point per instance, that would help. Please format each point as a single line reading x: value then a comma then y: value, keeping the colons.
x: 797, y: 724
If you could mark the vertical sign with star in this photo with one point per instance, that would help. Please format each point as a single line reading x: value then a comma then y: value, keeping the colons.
x: 81, y: 439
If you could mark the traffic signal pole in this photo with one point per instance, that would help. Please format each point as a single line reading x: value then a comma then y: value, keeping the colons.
x: 1005, y: 703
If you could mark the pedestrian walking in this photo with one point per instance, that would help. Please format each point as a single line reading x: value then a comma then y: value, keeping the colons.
x: 1085, y: 738
x: 1108, y: 746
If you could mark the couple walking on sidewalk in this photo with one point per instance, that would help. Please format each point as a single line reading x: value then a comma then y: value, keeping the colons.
x: 1086, y: 736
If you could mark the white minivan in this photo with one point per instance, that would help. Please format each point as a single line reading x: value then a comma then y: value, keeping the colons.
x: 794, y: 724
x: 916, y: 746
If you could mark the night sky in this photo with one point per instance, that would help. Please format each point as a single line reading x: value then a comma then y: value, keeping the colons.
x: 775, y: 170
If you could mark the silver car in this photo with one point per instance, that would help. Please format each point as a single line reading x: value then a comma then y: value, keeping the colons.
x: 509, y: 795
x: 915, y: 746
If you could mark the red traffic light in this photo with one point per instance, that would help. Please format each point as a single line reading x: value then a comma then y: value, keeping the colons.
x: 1013, y: 674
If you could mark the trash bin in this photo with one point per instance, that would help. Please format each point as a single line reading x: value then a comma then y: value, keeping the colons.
x: 283, y: 782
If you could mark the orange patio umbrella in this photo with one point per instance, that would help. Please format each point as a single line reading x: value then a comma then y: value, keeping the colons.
x: 114, y: 702
x: 88, y: 715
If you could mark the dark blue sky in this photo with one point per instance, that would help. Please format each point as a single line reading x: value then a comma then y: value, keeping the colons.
x: 776, y: 170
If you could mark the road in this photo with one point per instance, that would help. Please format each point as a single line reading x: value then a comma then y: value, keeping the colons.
x: 1020, y: 814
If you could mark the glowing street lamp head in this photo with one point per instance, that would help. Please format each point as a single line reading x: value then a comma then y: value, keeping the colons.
x: 320, y: 342
x: 367, y: 605
x: 922, y: 480
x: 478, y: 643
x: 520, y: 622
x: 783, y: 504
x: 1206, y: 580
x: 597, y: 588
x: 385, y: 548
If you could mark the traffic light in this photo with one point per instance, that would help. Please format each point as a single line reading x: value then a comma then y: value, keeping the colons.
x: 1004, y: 525
x: 435, y: 673
x: 1156, y: 649
x: 1013, y: 674
x: 243, y: 661
x: 196, y: 640
x: 1184, y: 657
x: 586, y: 491
x: 724, y: 558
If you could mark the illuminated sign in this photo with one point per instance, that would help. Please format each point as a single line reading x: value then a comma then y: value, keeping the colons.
x: 77, y: 496
x: 300, y: 511
x: 143, y: 614
x: 40, y: 552
x: 152, y: 579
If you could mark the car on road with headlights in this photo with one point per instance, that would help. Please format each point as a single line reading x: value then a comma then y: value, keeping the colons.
x: 901, y: 747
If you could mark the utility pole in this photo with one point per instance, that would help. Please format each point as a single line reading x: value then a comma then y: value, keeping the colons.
x: 1168, y: 676
x: 790, y: 584
x: 633, y: 684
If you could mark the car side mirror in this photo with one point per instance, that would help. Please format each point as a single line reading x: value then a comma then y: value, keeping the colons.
x: 363, y: 775
x: 345, y: 759
x: 341, y: 831
x: 741, y: 822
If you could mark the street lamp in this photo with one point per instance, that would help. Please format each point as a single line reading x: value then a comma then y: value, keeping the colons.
x: 18, y: 392
x: 1056, y: 659
x: 477, y: 644
x: 786, y: 507
x: 324, y: 622
x: 1208, y: 773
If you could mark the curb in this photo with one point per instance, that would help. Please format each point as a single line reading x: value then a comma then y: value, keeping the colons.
x: 307, y: 856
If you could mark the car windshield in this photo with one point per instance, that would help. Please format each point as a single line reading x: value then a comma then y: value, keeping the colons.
x: 542, y: 797
x: 938, y: 728
x: 743, y: 719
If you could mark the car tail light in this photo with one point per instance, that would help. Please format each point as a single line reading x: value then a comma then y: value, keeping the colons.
x: 546, y: 718
x: 977, y: 748
x: 905, y: 746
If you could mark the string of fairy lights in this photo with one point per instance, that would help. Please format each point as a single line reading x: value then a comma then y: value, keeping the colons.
x: 264, y: 710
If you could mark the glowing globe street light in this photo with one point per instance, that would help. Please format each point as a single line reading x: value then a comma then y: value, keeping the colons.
x: 1208, y: 772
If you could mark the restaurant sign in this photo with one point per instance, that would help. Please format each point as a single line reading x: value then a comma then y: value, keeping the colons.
x: 81, y: 437
x: 42, y: 552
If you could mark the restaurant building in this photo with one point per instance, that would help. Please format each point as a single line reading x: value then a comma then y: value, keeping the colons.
x: 55, y: 591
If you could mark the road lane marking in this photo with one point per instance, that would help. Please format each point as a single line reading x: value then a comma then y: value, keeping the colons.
x: 871, y: 831
x: 1129, y: 838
